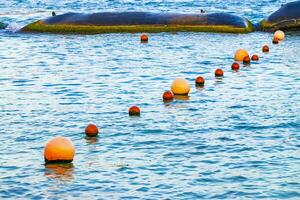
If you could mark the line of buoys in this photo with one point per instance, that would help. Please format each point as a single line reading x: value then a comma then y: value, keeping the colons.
x: 62, y: 150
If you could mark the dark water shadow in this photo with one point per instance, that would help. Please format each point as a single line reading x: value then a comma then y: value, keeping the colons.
x: 91, y: 140
x: 246, y: 64
x: 199, y: 87
x: 167, y: 102
x: 219, y: 80
x: 182, y: 97
x: 61, y: 172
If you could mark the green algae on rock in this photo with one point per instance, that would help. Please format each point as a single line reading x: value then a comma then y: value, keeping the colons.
x: 111, y: 22
x: 285, y: 18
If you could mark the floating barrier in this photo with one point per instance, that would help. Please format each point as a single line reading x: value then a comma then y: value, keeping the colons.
x: 279, y: 35
x: 59, y: 150
x: 144, y: 38
x: 286, y: 18
x: 265, y: 48
x: 247, y: 60
x: 168, y: 95
x: 240, y: 54
x: 180, y: 86
x: 119, y: 22
x: 219, y: 73
x: 91, y: 130
x: 199, y: 81
x: 134, y: 111
x: 275, y: 41
x: 254, y: 57
x: 235, y: 66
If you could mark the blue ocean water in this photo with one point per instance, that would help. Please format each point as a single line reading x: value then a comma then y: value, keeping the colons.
x: 236, y: 138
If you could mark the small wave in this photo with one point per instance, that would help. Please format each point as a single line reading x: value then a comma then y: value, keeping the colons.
x: 13, y: 27
x: 23, y: 13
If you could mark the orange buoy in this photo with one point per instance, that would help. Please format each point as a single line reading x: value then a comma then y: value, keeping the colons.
x: 279, y: 35
x: 91, y: 130
x: 275, y: 41
x: 134, y: 111
x: 246, y: 60
x: 240, y: 54
x: 180, y: 86
x: 59, y: 149
x: 265, y: 48
x: 219, y: 73
x: 235, y: 66
x: 168, y: 95
x: 144, y: 38
x: 254, y: 57
x: 199, y: 81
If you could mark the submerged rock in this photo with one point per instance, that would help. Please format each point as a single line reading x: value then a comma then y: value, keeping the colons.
x: 286, y: 18
x: 115, y: 22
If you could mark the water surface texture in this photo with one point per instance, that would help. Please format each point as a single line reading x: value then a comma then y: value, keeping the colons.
x: 236, y: 138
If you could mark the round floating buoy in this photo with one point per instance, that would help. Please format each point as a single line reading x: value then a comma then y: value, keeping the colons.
x: 59, y: 149
x: 144, y: 38
x: 180, y: 86
x: 235, y: 66
x: 246, y: 60
x: 91, y: 130
x: 168, y: 95
x: 255, y: 57
x: 219, y: 73
x: 134, y: 111
x: 199, y: 81
x: 240, y: 54
x: 279, y: 35
x: 275, y: 41
x: 265, y: 48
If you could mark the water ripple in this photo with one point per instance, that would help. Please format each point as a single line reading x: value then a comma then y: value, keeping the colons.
x: 236, y: 138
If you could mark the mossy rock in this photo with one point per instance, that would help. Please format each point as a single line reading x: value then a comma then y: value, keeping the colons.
x: 133, y: 22
x: 285, y: 18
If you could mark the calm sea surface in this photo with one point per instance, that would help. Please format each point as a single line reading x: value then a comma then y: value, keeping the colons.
x: 237, y: 138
